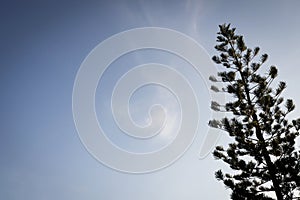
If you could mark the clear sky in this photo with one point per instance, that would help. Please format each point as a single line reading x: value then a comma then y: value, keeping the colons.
x: 42, y: 45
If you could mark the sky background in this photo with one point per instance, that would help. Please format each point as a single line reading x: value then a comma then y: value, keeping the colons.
x: 43, y: 43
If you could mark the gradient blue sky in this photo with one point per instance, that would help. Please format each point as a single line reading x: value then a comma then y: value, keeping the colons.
x: 42, y: 44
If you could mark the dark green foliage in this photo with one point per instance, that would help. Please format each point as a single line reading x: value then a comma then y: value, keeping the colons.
x: 262, y: 155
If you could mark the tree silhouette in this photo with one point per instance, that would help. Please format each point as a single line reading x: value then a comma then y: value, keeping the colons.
x: 262, y: 156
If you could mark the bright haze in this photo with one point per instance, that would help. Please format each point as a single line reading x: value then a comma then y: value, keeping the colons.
x: 42, y: 46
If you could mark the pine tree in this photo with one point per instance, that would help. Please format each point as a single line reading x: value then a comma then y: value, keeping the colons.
x: 262, y: 155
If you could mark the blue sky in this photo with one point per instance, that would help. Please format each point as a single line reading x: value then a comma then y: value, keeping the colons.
x: 43, y: 44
